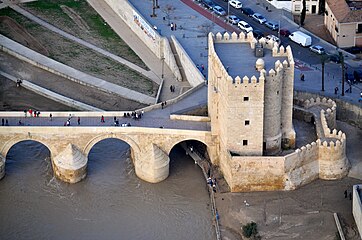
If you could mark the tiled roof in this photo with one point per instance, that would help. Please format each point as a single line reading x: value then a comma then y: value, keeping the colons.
x: 343, y: 13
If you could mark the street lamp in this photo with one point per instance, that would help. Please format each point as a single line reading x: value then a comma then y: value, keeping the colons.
x: 153, y: 8
x: 341, y: 58
x: 228, y: 8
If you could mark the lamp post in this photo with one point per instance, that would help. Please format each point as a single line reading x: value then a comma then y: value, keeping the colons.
x: 279, y: 30
x: 153, y: 9
x: 341, y: 57
x: 228, y: 8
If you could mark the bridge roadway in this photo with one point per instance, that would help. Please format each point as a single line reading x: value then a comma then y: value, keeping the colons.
x: 155, y: 118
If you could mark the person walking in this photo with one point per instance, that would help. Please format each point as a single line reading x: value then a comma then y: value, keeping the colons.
x: 336, y: 90
x: 162, y: 104
x: 51, y: 117
x: 2, y: 122
x: 78, y: 121
x: 102, y: 119
x: 302, y: 77
x: 171, y: 25
x: 171, y: 88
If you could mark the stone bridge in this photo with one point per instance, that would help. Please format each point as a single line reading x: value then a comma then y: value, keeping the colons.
x: 69, y: 147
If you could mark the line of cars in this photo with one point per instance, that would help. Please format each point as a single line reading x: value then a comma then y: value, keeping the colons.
x: 297, y: 37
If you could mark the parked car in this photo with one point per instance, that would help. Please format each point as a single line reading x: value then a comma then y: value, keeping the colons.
x: 247, y: 11
x: 233, y: 19
x: 354, y: 50
x: 245, y: 26
x: 334, y: 58
x: 284, y: 32
x: 208, y: 4
x: 272, y: 37
x: 317, y: 49
x: 301, y: 38
x: 272, y: 25
x: 235, y: 3
x: 259, y: 18
x: 258, y: 34
x: 219, y: 10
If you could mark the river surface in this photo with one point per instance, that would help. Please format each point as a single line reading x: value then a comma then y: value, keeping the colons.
x: 111, y: 203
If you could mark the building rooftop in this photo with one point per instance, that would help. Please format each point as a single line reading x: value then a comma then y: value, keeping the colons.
x: 241, y: 59
x: 342, y: 11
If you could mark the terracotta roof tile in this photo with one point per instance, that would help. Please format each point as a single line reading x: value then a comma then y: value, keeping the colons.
x: 339, y: 8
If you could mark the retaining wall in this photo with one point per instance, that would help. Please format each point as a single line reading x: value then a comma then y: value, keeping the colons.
x: 193, y: 75
x: 146, y: 33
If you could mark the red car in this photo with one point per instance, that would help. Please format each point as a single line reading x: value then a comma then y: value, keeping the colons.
x: 284, y: 32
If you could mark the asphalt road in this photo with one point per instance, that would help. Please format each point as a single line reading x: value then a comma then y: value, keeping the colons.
x: 299, y: 52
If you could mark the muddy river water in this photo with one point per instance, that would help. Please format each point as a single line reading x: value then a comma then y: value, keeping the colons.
x: 111, y: 203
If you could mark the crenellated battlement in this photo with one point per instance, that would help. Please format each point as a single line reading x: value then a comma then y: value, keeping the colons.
x: 305, y: 150
x: 324, y: 102
x: 235, y: 38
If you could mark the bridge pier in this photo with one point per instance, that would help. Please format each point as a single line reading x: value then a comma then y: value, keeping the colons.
x: 70, y: 165
x: 2, y: 166
x: 152, y: 164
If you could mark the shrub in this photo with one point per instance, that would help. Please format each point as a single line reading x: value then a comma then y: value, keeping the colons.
x: 250, y: 230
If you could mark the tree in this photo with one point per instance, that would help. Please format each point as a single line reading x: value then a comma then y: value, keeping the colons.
x: 168, y: 10
x: 206, y: 27
x: 303, y: 13
x: 322, y: 6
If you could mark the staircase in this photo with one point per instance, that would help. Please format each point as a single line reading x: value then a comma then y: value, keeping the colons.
x: 177, y: 58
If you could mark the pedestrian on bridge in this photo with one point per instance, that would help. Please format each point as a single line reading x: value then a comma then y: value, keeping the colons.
x: 102, y: 119
x: 2, y: 122
x: 78, y: 120
x: 51, y: 117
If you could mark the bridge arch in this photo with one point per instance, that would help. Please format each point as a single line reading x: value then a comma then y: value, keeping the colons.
x: 15, y: 140
x: 134, y: 146
x: 178, y: 141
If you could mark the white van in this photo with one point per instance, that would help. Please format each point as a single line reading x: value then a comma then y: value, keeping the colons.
x: 301, y: 38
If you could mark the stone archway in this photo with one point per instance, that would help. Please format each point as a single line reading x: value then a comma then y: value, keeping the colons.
x: 12, y: 143
x: 133, y: 145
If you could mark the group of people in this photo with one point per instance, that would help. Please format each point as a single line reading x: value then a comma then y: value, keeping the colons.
x: 173, y: 26
x: 135, y: 115
x: 212, y: 183
x: 172, y: 88
x: 4, y: 122
x: 163, y: 104
x: 32, y: 113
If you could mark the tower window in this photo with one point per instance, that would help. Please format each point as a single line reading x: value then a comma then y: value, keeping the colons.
x: 245, y: 142
x: 246, y: 98
x: 247, y: 122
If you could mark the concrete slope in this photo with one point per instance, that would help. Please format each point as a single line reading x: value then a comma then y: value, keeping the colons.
x: 72, y: 74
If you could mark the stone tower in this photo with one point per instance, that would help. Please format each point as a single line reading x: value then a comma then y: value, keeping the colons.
x: 250, y: 98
